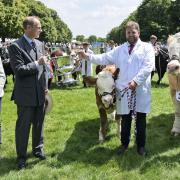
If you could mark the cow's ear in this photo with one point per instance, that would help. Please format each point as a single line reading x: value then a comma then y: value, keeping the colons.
x: 99, y: 68
x: 116, y: 73
x: 90, y: 80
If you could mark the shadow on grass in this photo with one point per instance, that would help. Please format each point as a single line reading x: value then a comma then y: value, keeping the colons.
x: 161, y: 85
x: 159, y: 141
x: 10, y: 164
x: 83, y: 146
x: 6, y: 165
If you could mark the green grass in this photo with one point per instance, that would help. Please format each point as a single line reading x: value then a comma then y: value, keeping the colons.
x: 71, y: 141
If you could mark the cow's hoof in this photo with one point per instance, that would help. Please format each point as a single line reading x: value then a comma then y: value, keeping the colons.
x: 101, y: 141
x: 175, y: 134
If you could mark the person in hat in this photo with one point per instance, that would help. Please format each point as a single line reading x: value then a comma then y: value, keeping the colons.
x: 111, y: 46
x: 135, y: 59
x: 86, y: 65
x: 154, y: 43
x: 27, y: 60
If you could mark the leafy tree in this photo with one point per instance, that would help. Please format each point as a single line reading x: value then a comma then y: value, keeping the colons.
x: 92, y: 38
x: 11, y: 19
x: 13, y: 13
x: 80, y: 38
x: 174, y: 18
x: 100, y: 39
x: 159, y: 17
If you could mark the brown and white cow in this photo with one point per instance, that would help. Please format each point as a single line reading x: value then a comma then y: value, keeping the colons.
x: 105, y: 95
x: 173, y: 69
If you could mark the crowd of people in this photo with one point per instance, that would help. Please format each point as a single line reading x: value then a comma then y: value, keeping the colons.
x: 134, y: 58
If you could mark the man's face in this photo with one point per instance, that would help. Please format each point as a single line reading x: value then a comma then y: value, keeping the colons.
x: 85, y: 46
x: 153, y: 40
x: 132, y: 35
x: 34, y: 31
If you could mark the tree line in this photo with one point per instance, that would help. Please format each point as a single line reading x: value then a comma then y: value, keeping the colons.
x: 159, y: 17
x: 13, y: 13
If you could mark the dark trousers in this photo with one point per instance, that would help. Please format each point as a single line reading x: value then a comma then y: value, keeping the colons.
x: 140, y: 129
x: 26, y: 116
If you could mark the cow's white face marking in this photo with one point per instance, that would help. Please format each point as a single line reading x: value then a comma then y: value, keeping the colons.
x: 173, y: 66
x: 173, y: 43
x: 105, y: 84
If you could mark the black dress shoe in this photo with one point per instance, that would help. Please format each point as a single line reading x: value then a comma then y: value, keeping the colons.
x: 141, y: 151
x: 122, y: 150
x: 40, y: 155
x: 21, y: 164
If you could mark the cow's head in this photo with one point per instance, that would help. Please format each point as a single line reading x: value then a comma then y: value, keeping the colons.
x: 173, y: 43
x: 105, y: 84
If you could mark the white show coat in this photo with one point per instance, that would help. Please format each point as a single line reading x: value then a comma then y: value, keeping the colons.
x: 2, y: 79
x: 137, y: 67
x: 88, y: 71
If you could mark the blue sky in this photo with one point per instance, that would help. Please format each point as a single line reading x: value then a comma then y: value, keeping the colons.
x: 92, y: 17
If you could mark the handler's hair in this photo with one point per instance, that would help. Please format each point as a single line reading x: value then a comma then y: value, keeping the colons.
x: 133, y: 24
x: 30, y: 21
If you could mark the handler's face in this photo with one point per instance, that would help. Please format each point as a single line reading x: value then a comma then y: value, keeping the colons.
x: 132, y: 35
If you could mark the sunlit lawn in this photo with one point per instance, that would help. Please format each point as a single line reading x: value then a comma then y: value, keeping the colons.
x: 71, y: 141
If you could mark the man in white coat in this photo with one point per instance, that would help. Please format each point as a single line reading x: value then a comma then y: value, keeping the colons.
x: 2, y: 83
x: 135, y: 59
x: 86, y: 65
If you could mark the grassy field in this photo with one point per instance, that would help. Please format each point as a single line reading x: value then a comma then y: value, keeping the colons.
x: 71, y: 141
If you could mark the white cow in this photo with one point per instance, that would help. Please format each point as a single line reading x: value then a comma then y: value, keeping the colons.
x: 173, y: 69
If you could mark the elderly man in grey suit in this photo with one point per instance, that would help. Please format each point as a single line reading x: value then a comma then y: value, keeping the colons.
x: 26, y: 58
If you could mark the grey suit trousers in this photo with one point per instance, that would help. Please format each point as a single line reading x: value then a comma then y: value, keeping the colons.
x: 26, y: 116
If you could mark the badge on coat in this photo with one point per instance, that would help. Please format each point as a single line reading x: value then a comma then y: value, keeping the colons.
x: 178, y: 95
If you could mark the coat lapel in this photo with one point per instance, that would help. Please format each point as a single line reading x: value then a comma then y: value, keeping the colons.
x: 39, y: 48
x: 29, y: 50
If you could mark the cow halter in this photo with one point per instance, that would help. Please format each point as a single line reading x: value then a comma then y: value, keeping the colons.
x: 107, y: 93
x: 174, y: 57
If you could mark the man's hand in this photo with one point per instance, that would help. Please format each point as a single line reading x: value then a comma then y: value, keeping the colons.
x: 82, y: 55
x: 46, y: 91
x: 42, y: 60
x: 132, y: 85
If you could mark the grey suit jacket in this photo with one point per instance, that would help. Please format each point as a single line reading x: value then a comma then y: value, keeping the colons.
x: 28, y: 89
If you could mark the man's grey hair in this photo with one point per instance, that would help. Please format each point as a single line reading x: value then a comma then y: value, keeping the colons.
x: 30, y: 21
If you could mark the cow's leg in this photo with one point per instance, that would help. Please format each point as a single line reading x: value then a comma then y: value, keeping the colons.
x: 176, y: 125
x: 152, y: 74
x: 103, y: 125
x: 162, y: 74
x: 159, y: 78
x: 118, y: 120
x: 111, y: 116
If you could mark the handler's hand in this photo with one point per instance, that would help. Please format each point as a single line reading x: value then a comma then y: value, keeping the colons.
x: 82, y: 55
x: 132, y: 85
x: 42, y: 60
x: 46, y: 91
